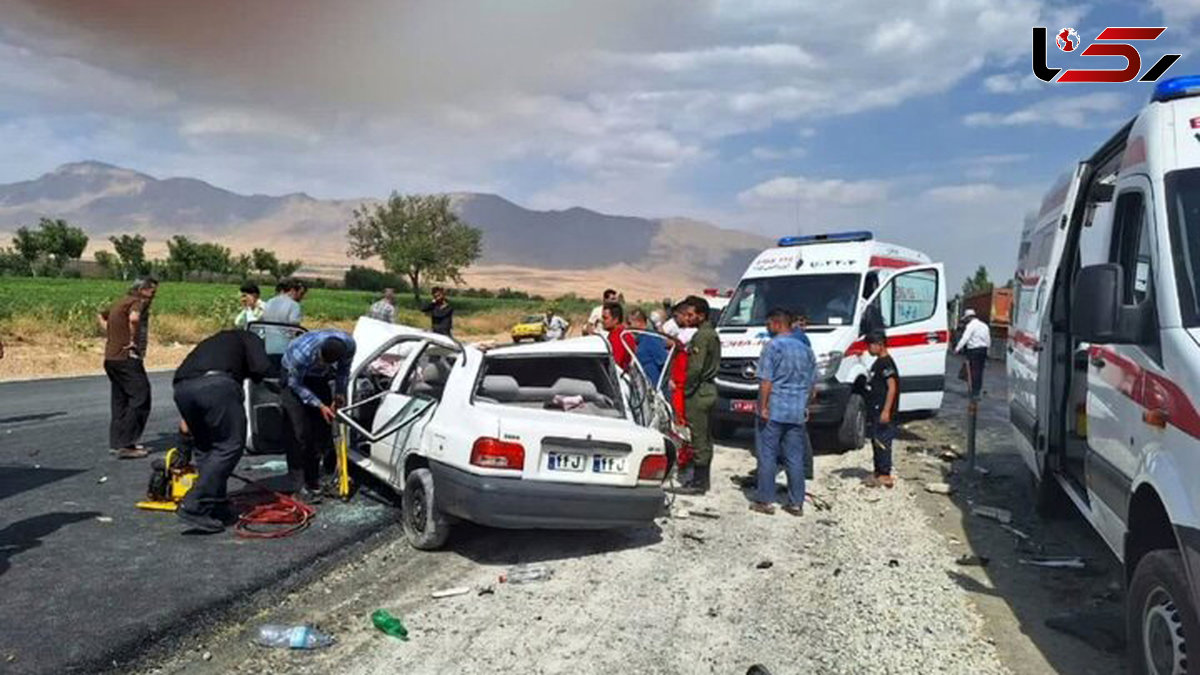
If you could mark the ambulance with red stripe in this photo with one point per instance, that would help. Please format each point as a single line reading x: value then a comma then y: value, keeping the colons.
x: 1104, y: 362
x: 835, y: 279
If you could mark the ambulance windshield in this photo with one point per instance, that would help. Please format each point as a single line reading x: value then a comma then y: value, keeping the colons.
x: 1183, y: 213
x: 826, y: 299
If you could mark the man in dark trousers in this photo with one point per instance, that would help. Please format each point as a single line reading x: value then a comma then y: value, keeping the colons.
x: 209, y: 395
x: 441, y: 314
x: 310, y: 362
x: 700, y: 391
x: 883, y: 400
x: 125, y: 328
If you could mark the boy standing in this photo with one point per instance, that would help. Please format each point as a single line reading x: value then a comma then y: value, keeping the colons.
x: 883, y: 398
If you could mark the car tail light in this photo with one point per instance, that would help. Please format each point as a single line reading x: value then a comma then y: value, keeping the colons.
x: 493, y: 453
x: 654, y: 467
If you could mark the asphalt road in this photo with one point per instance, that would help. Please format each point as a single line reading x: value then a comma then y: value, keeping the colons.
x: 80, y: 592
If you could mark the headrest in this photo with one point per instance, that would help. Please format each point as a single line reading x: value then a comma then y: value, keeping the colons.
x: 499, y: 387
x: 569, y: 386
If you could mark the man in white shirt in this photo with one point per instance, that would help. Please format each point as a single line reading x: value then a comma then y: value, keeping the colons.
x: 384, y: 309
x: 974, y: 343
x: 556, y: 326
x: 595, y: 322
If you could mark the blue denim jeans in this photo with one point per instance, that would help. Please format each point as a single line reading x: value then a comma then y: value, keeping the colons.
x: 789, y: 441
x: 882, y: 436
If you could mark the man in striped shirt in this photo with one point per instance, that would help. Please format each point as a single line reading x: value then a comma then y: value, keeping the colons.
x: 309, y: 364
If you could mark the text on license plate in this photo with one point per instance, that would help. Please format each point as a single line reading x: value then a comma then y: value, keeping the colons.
x: 566, y: 461
x: 742, y: 406
x: 608, y: 464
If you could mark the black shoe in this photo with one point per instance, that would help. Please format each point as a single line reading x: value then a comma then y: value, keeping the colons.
x: 199, y: 521
x: 226, y: 515
x: 309, y: 495
x: 698, y: 485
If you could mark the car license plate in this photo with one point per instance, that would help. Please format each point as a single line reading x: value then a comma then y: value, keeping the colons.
x: 609, y: 464
x: 566, y: 461
x: 743, y: 406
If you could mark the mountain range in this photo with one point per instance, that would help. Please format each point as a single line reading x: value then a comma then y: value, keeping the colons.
x: 573, y: 250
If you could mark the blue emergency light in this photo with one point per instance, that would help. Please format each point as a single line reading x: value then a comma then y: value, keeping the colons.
x: 1177, y: 87
x: 830, y: 238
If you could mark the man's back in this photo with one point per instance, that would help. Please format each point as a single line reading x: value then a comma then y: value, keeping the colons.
x: 283, y: 309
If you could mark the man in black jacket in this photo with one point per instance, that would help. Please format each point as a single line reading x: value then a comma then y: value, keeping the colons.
x: 208, y: 393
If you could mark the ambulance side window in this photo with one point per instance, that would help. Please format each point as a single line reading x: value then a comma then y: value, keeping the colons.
x: 1131, y: 247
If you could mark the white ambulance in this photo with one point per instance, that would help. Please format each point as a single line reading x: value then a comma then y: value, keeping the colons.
x: 832, y: 279
x: 1104, y: 362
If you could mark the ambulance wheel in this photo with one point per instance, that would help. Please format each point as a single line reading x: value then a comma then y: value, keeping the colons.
x: 425, y: 527
x: 1160, y: 616
x: 852, y: 433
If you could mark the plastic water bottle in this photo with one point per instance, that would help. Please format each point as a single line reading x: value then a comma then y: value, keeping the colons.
x: 293, y: 637
x: 389, y: 624
x: 525, y: 574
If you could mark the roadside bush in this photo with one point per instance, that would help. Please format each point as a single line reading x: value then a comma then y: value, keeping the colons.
x: 359, y: 278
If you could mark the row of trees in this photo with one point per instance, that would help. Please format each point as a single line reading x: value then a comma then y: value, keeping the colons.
x: 44, y: 251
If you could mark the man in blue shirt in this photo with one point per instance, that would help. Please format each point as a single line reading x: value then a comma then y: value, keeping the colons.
x: 651, y: 349
x: 310, y: 362
x: 786, y: 371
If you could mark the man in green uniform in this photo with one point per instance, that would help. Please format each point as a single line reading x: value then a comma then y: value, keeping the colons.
x: 704, y: 356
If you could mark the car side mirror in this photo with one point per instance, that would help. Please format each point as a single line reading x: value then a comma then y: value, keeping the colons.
x: 1097, y: 313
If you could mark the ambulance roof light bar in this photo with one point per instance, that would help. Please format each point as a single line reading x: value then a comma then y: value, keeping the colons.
x: 1177, y: 87
x: 830, y: 238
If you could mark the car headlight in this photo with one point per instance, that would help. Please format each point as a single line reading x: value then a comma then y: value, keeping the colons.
x: 828, y: 364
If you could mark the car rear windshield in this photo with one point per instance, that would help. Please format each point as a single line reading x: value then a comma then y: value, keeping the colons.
x: 1183, y: 217
x: 584, y: 384
x: 826, y: 299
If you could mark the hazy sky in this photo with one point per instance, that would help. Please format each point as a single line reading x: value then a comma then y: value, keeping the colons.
x: 923, y: 123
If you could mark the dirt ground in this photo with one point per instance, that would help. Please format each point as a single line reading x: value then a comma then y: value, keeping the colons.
x: 870, y: 585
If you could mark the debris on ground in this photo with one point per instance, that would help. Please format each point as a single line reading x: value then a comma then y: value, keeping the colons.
x: 524, y: 574
x: 819, y: 503
x: 273, y: 466
x: 487, y: 590
x: 694, y: 537
x: 207, y: 656
x: 893, y: 563
x: 1103, y: 629
x: 450, y: 592
x: 302, y: 636
x: 389, y: 625
x: 1071, y: 562
x: 1015, y: 532
x: 967, y: 560
x: 705, y: 513
x: 104, y: 519
x: 765, y: 565
x: 103, y: 479
x: 939, y: 488
x: 1002, y: 516
x: 757, y: 669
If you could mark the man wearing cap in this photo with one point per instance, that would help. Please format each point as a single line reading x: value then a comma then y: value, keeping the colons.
x: 310, y: 362
x: 974, y: 344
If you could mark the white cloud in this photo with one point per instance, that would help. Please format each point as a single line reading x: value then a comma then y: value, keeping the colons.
x: 1177, y: 11
x: 1011, y: 83
x: 967, y: 193
x: 810, y: 191
x: 246, y: 122
x: 1097, y: 109
x: 775, y: 154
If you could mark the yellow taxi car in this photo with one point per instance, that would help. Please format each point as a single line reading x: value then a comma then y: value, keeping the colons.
x: 532, y: 327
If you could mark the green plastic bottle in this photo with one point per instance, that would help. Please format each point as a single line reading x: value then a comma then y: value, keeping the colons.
x: 389, y: 624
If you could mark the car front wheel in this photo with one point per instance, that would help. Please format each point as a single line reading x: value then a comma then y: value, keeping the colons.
x: 1161, y: 618
x: 425, y: 527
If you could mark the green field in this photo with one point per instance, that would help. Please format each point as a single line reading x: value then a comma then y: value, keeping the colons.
x: 72, y: 303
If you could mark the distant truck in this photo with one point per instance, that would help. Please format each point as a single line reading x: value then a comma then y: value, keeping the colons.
x: 1104, y: 362
x: 833, y: 279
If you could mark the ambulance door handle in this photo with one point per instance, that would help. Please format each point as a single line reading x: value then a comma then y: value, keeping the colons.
x: 1098, y: 362
x: 932, y: 337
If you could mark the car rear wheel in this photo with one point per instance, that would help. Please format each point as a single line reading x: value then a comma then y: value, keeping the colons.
x: 425, y: 527
x: 1160, y: 616
x: 852, y: 432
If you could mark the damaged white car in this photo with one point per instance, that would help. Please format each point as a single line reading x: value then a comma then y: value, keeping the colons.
x: 548, y: 435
